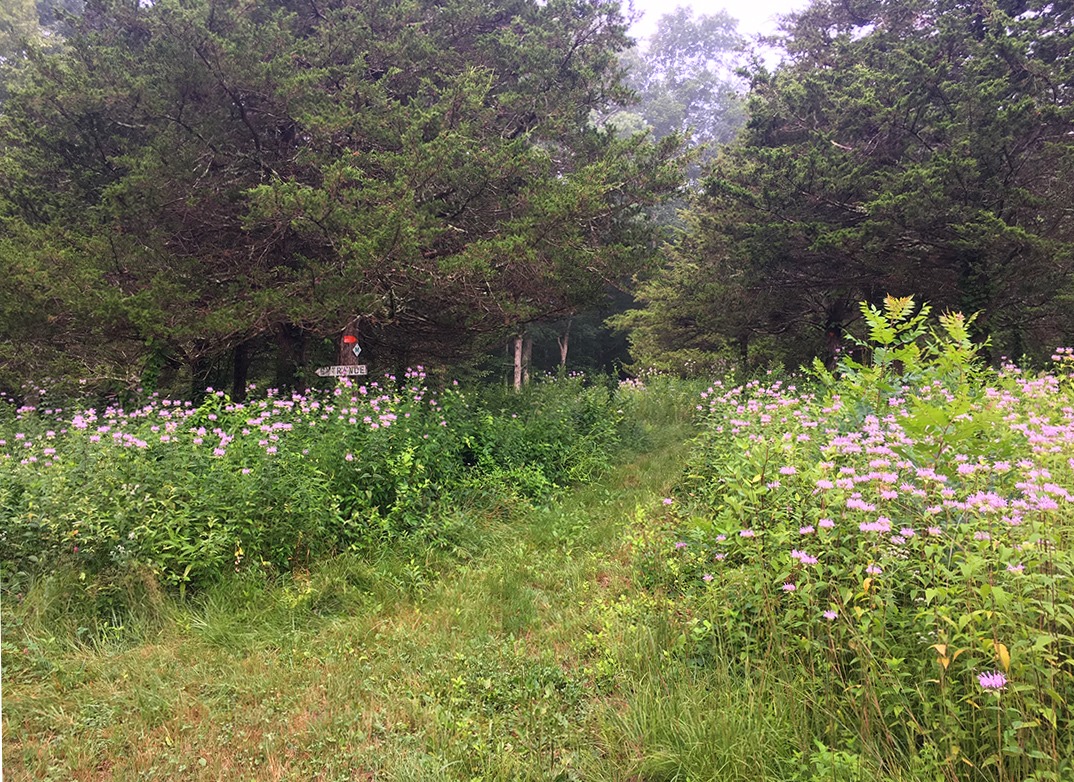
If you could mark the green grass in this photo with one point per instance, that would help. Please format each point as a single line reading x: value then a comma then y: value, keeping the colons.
x: 524, y: 650
x: 473, y: 660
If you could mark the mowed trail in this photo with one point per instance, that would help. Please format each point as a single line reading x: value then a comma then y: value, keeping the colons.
x: 498, y: 660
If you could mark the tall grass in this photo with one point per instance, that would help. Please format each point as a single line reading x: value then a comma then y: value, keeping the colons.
x: 894, y: 543
x: 491, y: 657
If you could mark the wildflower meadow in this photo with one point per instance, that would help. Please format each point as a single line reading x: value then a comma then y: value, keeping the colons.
x: 895, y: 545
x: 852, y: 573
x: 184, y: 493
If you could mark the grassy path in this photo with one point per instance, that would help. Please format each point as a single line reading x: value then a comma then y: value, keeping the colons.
x: 530, y: 656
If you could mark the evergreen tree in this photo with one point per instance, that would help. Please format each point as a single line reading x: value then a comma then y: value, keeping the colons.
x: 904, y: 146
x: 199, y: 178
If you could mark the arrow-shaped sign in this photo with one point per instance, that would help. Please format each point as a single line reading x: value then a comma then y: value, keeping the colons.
x: 341, y: 371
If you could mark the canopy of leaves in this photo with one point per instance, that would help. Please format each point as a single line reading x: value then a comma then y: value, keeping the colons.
x: 188, y: 177
x: 903, y: 146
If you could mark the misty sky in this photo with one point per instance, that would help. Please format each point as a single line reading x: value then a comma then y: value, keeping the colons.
x: 754, y: 16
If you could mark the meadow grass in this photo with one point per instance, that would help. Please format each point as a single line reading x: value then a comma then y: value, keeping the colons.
x: 555, y: 638
x: 501, y: 657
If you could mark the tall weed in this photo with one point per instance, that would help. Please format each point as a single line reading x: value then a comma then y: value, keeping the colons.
x: 186, y: 494
x: 899, y: 540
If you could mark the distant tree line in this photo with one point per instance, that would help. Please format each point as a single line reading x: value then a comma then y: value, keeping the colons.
x: 902, y: 146
x: 200, y: 192
x: 188, y: 186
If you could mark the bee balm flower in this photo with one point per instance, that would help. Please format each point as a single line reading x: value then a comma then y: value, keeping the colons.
x: 992, y: 680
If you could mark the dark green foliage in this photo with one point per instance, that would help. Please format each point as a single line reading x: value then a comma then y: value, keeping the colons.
x: 902, y: 147
x: 187, y: 182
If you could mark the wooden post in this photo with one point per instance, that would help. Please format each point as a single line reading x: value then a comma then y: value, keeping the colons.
x: 348, y: 338
x: 518, y: 362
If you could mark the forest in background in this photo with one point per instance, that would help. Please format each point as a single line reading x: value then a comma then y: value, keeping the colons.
x: 857, y: 572
x: 202, y: 193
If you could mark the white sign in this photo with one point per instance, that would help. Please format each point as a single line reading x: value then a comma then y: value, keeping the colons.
x: 341, y: 371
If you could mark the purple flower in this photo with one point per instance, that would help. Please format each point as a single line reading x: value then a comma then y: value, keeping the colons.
x: 707, y: 577
x: 830, y: 615
x: 747, y: 533
x: 789, y: 587
x: 1011, y: 568
x: 788, y: 470
x: 680, y: 544
x: 807, y: 530
x: 874, y: 570
x: 825, y: 523
x: 668, y: 500
x: 803, y: 557
x: 882, y: 524
x: 992, y: 680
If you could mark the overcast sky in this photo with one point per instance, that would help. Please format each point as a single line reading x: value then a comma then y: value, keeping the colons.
x: 754, y: 16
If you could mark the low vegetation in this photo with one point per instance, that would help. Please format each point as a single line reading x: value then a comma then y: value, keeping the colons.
x: 895, y: 546
x: 843, y: 576
x: 183, y: 494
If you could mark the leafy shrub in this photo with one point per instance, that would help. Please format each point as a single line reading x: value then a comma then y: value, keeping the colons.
x: 898, y: 542
x: 188, y: 493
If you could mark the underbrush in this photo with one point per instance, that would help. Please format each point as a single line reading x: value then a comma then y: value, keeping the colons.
x: 490, y: 658
x: 179, y: 496
x: 894, y: 544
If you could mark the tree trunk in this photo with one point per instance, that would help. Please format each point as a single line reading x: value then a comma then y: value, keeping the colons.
x: 976, y: 294
x: 564, y: 340
x: 744, y: 352
x: 345, y: 355
x: 836, y: 318
x: 833, y: 345
x: 240, y: 369
x: 402, y: 364
x: 290, y: 358
x: 201, y: 372
x: 527, y: 356
x: 518, y: 362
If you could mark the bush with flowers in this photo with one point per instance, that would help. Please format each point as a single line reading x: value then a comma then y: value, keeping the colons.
x: 185, y: 493
x: 895, y: 542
